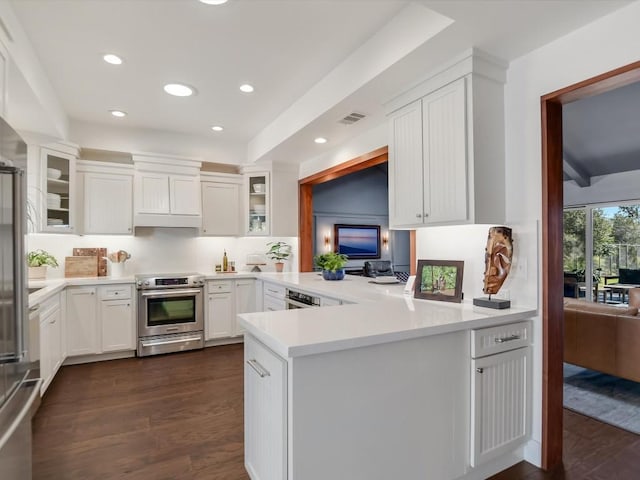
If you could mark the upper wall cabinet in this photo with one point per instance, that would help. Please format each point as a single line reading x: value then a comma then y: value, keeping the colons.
x: 221, y: 204
x: 446, y: 147
x: 166, y: 192
x: 258, y: 201
x: 106, y: 198
x: 52, y: 187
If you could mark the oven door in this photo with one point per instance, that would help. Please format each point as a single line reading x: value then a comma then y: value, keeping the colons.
x: 293, y: 304
x: 169, y: 311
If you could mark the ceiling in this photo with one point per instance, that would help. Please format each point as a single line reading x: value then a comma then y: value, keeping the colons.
x: 290, y: 50
x: 601, y: 134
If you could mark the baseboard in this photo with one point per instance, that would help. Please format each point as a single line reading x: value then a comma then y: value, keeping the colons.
x: 223, y: 341
x: 494, y: 466
x: 100, y: 357
x: 533, y: 453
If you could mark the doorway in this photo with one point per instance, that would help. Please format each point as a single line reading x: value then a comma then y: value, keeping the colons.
x: 552, y: 255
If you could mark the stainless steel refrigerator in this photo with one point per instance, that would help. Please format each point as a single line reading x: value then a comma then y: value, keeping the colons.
x: 19, y: 367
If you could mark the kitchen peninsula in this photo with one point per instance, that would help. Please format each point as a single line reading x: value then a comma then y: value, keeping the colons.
x: 385, y: 387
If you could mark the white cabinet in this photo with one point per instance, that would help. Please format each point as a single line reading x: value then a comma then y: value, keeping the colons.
x: 100, y: 319
x: 51, y: 351
x: 220, y: 310
x: 273, y: 297
x: 82, y: 321
x: 57, y: 189
x: 265, y: 412
x: 500, y: 386
x: 246, y: 300
x: 4, y: 65
x: 106, y: 203
x: 166, y: 192
x: 221, y: 204
x: 446, y: 149
x: 258, y: 203
x: 117, y: 318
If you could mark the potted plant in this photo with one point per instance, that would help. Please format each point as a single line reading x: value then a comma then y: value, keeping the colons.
x: 332, y: 265
x: 38, y: 260
x: 279, y: 251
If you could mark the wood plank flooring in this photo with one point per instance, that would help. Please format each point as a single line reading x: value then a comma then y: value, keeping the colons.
x: 181, y: 417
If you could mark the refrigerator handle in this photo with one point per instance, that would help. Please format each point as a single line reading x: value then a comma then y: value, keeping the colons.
x: 20, y: 285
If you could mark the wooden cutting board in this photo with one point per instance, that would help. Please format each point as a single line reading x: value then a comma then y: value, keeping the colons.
x: 81, y: 266
x: 101, y: 253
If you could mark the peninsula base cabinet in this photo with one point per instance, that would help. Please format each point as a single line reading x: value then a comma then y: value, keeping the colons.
x: 225, y: 300
x: 394, y: 410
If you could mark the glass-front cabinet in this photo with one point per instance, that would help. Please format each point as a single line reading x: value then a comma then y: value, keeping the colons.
x: 258, y: 216
x: 58, y: 170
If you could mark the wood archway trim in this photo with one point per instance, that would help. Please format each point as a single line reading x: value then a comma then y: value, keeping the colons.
x: 376, y: 157
x: 552, y: 274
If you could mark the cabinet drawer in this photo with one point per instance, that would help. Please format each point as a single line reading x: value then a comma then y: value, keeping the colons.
x: 219, y: 287
x: 273, y: 290
x: 487, y: 341
x: 49, y: 305
x: 273, y: 304
x: 114, y: 292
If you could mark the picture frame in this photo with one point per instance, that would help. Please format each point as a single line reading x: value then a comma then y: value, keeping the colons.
x: 439, y: 280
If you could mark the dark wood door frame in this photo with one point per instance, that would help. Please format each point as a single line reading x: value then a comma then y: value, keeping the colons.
x: 376, y: 157
x: 552, y: 275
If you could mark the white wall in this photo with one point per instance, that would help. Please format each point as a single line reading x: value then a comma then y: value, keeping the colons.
x: 617, y: 187
x: 604, y: 45
x: 164, y: 250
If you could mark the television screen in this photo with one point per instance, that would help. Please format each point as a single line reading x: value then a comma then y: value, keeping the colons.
x: 357, y: 241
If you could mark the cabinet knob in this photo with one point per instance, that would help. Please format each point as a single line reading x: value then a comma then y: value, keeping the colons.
x: 418, y: 215
x: 128, y: 229
x: 480, y: 370
x: 426, y: 215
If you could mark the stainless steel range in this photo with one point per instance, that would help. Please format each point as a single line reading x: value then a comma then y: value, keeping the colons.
x: 170, y: 313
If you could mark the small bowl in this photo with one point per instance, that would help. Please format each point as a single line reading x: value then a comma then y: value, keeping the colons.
x: 54, y: 173
x: 258, y: 187
x: 53, y: 200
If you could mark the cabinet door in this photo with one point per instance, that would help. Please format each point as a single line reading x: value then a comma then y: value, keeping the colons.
x: 46, y: 366
x: 184, y: 194
x: 265, y: 412
x: 405, y: 166
x: 118, y: 325
x: 258, y: 202
x: 108, y: 203
x: 220, y: 208
x: 445, y: 154
x: 220, y: 315
x: 58, y: 172
x: 82, y: 321
x: 152, y: 193
x: 245, y: 301
x: 499, y: 416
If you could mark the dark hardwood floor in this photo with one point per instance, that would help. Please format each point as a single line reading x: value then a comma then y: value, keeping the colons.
x: 180, y: 417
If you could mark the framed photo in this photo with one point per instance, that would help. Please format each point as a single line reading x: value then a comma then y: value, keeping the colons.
x: 439, y: 280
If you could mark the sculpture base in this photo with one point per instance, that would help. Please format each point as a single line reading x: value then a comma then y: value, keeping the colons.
x: 496, y: 303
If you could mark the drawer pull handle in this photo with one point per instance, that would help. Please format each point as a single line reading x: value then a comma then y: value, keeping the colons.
x: 508, y: 339
x: 480, y: 370
x: 259, y: 369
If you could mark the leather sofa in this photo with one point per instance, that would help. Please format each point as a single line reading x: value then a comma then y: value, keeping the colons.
x: 603, y: 337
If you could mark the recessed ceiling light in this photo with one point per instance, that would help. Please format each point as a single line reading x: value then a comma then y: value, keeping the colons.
x: 246, y: 88
x: 112, y: 59
x: 320, y: 140
x: 118, y: 113
x: 178, y: 90
x: 214, y: 2
x: 217, y: 128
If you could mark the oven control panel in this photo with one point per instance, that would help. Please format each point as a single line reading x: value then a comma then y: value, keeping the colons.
x: 144, y: 282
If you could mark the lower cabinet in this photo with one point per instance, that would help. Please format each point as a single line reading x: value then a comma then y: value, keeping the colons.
x: 225, y: 300
x: 51, y: 351
x: 265, y: 412
x: 100, y: 319
x: 273, y: 297
x: 246, y: 300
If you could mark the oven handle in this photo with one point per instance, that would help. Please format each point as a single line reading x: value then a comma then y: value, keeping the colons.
x: 157, y: 342
x: 171, y: 293
x: 295, y: 303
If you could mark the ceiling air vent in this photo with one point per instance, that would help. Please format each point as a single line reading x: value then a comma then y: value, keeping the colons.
x: 352, y: 118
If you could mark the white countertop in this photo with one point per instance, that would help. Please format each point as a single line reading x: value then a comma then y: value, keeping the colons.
x: 382, y: 314
x: 49, y: 287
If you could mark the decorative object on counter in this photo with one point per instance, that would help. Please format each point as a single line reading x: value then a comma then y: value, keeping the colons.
x: 497, y: 260
x: 116, y: 265
x: 439, y: 280
x: 100, y: 253
x: 256, y: 260
x: 81, y: 266
x: 38, y: 261
x: 279, y: 251
x: 332, y: 265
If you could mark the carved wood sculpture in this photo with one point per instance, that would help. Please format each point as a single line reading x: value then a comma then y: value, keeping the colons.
x: 498, y: 255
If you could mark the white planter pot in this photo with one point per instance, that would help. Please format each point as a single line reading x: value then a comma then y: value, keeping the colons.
x: 38, y: 273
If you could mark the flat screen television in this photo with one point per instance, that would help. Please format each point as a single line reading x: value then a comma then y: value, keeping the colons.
x: 357, y: 241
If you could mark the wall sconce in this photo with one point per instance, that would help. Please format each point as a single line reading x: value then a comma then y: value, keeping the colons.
x: 327, y: 241
x: 385, y: 241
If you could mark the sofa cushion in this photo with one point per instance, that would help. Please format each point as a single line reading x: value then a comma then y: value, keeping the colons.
x: 584, y: 306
